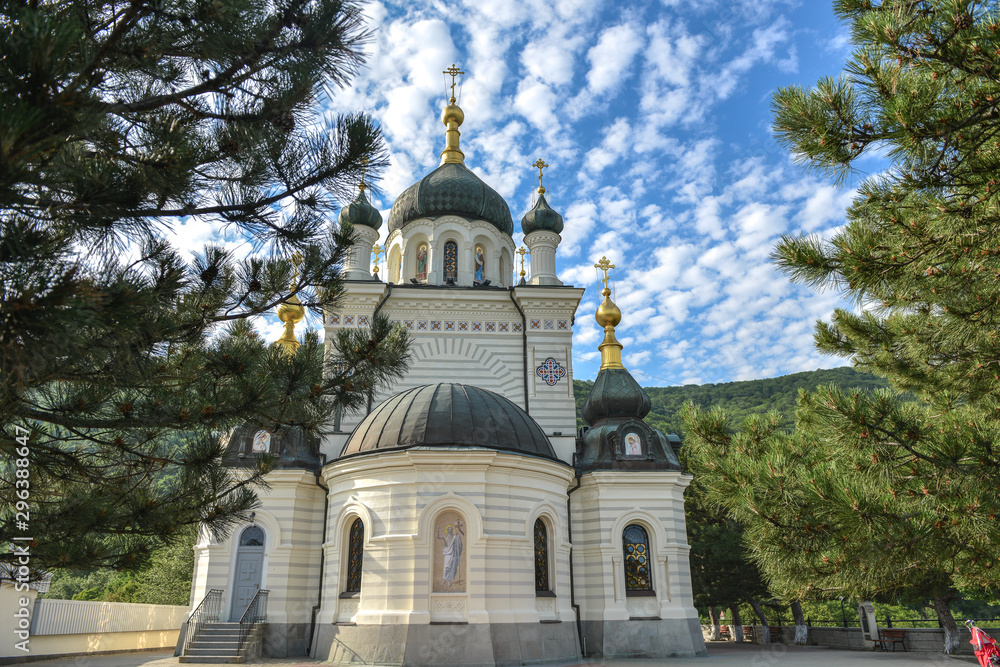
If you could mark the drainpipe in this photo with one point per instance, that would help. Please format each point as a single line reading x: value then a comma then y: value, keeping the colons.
x: 524, y: 339
x: 572, y: 581
x: 322, y: 556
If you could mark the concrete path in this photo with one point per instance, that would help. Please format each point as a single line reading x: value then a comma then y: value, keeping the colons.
x: 729, y: 654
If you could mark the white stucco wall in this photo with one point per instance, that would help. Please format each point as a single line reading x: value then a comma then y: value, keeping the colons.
x: 398, y: 494
x: 603, y: 506
x: 291, y: 515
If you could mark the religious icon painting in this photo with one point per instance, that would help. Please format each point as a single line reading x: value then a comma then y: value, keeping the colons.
x: 633, y: 444
x: 480, y: 264
x: 261, y: 442
x: 422, y: 261
x: 449, y: 553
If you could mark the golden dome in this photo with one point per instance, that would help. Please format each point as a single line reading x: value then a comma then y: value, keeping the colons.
x: 291, y: 312
x: 453, y: 112
x: 608, y: 314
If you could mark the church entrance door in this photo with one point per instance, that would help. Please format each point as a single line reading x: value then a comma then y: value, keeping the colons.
x: 249, y: 563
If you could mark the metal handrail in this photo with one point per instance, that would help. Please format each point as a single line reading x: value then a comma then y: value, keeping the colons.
x: 207, y: 611
x: 256, y: 613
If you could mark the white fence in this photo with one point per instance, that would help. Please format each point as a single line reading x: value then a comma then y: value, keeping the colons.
x: 71, y: 617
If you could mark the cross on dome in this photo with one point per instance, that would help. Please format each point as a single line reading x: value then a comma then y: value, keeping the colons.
x: 540, y: 165
x: 453, y: 72
x: 604, y: 265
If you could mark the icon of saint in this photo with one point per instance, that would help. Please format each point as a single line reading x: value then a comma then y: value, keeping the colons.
x: 480, y: 264
x: 451, y: 551
x: 633, y: 445
x: 422, y: 261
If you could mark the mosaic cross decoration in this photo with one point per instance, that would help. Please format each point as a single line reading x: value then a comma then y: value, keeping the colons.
x: 550, y: 371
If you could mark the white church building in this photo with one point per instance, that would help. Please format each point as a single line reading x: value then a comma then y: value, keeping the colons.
x: 463, y: 519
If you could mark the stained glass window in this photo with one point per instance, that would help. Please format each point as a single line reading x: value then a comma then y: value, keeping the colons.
x: 252, y: 537
x: 636, y: 546
x: 451, y: 260
x: 355, y: 556
x: 541, y: 557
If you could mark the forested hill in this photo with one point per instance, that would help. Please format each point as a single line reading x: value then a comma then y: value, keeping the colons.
x: 740, y: 398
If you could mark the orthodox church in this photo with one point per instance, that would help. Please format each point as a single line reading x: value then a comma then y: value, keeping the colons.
x: 462, y: 519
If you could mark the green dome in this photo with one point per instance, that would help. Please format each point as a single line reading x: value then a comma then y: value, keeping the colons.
x: 451, y: 189
x: 541, y: 218
x: 361, y: 212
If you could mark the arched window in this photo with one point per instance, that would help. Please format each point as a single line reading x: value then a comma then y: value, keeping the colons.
x: 252, y: 537
x: 541, y: 557
x: 505, y: 268
x: 451, y: 260
x: 394, y: 265
x: 355, y: 556
x: 636, y: 548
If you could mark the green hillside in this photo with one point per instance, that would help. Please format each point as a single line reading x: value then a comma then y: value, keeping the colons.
x: 740, y: 398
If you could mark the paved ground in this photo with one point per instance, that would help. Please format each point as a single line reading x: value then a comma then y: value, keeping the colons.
x: 719, y: 653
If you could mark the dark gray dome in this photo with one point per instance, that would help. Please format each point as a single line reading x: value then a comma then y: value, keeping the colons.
x: 541, y: 217
x: 361, y: 212
x: 446, y: 415
x: 452, y: 189
x: 615, y: 394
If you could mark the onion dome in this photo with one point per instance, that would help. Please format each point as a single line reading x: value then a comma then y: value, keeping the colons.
x: 541, y: 218
x: 615, y: 394
x: 448, y: 415
x: 360, y: 211
x: 451, y: 189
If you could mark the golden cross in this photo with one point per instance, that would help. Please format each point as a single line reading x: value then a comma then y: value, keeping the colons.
x: 604, y: 265
x: 539, y: 164
x: 453, y: 72
x: 522, y: 251
x: 364, y: 170
x: 378, y: 250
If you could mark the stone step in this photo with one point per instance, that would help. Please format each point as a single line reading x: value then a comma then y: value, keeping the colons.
x: 203, y: 643
x: 213, y: 651
x: 209, y: 660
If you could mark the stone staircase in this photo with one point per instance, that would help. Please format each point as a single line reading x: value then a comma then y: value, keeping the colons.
x: 220, y: 642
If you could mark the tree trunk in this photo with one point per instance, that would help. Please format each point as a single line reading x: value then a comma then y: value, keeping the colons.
x: 801, y: 629
x: 951, y: 638
x: 765, y: 628
x: 737, y: 623
x: 713, y: 617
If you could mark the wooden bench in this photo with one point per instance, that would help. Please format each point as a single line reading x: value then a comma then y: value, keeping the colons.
x: 891, y: 636
x: 775, y: 632
x: 724, y: 632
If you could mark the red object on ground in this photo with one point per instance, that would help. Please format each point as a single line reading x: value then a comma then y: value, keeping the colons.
x: 984, y: 647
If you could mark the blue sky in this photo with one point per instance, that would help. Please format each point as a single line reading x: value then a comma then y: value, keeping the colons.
x: 655, y: 118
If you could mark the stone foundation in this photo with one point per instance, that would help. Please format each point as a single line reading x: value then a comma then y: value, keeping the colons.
x: 475, y: 645
x: 654, y: 638
x: 282, y: 640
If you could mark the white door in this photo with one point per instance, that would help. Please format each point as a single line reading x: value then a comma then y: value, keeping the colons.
x: 249, y: 563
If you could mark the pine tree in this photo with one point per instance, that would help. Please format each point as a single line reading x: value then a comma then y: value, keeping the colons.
x: 122, y: 363
x: 873, y: 494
